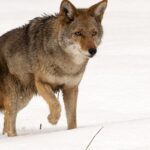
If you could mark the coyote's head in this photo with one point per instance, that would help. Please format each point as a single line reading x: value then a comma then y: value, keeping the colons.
x: 81, y: 30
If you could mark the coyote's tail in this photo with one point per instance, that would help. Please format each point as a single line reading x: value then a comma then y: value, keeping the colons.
x: 1, y: 108
x: 1, y: 103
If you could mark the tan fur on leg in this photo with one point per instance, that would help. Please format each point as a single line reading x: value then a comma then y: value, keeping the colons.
x: 10, y: 118
x: 47, y: 93
x: 70, y: 100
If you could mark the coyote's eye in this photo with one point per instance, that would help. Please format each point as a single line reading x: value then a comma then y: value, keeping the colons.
x: 94, y: 33
x: 78, y: 33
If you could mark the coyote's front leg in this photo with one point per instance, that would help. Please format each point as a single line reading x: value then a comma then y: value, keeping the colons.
x: 70, y: 100
x: 47, y: 93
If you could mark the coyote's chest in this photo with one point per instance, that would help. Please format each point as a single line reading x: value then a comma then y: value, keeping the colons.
x: 65, y: 80
x: 62, y: 74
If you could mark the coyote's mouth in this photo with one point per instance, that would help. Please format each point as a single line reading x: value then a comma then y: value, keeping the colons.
x: 86, y: 55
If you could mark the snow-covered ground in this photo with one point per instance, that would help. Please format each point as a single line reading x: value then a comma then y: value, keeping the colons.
x: 115, y: 91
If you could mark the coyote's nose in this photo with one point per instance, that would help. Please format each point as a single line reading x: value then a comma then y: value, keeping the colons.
x: 92, y: 51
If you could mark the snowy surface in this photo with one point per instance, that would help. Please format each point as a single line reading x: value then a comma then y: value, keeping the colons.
x: 114, y: 93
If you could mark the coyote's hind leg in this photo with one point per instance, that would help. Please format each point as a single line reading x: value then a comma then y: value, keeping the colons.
x: 10, y: 113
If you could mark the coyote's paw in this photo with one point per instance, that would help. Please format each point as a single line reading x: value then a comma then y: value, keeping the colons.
x: 52, y: 119
x: 10, y: 134
x: 54, y: 116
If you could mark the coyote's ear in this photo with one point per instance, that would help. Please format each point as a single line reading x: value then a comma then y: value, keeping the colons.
x: 98, y: 10
x: 68, y: 10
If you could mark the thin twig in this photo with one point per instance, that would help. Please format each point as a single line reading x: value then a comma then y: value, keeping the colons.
x: 94, y: 138
x: 41, y: 126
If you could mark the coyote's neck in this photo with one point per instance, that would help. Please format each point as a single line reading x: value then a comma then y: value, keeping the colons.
x: 69, y: 64
x: 79, y: 60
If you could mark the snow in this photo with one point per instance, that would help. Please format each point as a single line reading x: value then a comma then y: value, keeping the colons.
x: 114, y: 93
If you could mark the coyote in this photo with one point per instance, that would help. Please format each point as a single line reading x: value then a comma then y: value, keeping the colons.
x: 48, y: 54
